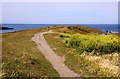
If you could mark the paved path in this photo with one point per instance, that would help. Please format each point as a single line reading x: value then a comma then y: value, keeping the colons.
x: 56, y: 61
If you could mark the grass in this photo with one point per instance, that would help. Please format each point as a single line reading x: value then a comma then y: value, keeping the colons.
x: 87, y: 65
x: 75, y: 29
x: 0, y: 55
x: 21, y: 58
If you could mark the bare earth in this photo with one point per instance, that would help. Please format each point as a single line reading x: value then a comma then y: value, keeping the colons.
x: 56, y: 61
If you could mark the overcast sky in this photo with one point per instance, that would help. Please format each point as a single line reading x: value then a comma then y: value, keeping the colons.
x: 60, y: 12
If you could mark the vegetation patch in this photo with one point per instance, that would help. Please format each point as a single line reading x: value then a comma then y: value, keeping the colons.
x: 92, y: 42
x: 87, y: 64
x: 21, y: 58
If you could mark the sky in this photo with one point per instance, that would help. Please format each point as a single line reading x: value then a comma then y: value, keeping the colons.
x: 60, y: 12
x: 60, y: 0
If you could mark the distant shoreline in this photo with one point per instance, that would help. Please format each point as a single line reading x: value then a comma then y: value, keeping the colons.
x: 19, y: 27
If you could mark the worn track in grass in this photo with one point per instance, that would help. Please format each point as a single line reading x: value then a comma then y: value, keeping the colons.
x: 56, y: 61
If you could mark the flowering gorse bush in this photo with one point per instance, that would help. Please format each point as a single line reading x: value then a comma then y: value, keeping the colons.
x: 92, y: 42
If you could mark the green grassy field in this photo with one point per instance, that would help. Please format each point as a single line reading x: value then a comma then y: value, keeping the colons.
x: 21, y: 58
x: 86, y: 64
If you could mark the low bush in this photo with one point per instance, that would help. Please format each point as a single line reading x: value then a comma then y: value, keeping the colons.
x: 92, y: 42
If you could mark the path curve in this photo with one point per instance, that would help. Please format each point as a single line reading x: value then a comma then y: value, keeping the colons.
x: 56, y: 61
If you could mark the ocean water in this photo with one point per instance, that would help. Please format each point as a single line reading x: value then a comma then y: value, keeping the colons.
x: 18, y: 27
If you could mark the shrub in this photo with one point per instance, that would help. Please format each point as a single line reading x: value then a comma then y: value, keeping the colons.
x: 90, y: 42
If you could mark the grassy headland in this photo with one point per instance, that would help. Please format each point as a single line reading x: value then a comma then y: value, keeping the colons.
x: 20, y: 56
x: 87, y: 60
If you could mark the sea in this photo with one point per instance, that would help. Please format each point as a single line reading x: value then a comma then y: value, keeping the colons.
x: 19, y: 27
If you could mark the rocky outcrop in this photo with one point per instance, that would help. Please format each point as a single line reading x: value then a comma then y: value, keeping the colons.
x: 5, y: 28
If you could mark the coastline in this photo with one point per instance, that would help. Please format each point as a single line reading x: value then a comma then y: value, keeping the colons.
x: 14, y: 40
x: 19, y: 27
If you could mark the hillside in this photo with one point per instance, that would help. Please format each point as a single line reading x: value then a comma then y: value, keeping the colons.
x: 20, y: 56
